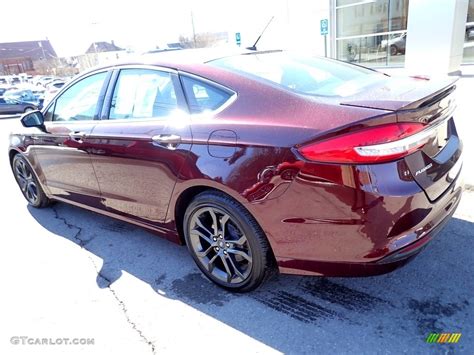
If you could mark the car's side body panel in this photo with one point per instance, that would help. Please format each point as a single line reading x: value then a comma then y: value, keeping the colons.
x: 325, y: 219
x: 136, y: 175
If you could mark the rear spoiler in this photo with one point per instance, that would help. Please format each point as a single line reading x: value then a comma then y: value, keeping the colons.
x: 434, y: 97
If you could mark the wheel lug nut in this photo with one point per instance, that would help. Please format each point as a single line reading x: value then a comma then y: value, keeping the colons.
x: 227, y: 245
x: 217, y: 248
x: 225, y: 253
x: 214, y: 239
x: 221, y: 237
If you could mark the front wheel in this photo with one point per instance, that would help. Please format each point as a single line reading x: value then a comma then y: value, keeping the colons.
x: 28, y: 183
x: 226, y: 242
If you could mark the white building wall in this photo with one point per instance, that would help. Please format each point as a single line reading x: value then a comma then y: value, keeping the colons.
x: 435, y: 36
x: 296, y: 26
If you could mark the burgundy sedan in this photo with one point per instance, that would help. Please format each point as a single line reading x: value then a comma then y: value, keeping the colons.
x: 257, y: 161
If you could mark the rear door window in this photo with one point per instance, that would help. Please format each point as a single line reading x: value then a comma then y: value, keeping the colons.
x: 143, y: 93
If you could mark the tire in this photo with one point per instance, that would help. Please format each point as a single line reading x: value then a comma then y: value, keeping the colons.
x: 393, y: 50
x: 236, y: 256
x: 28, y: 183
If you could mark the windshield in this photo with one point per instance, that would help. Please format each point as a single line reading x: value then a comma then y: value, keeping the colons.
x: 306, y: 75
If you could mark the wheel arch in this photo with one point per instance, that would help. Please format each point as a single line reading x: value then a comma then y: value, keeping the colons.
x: 185, y: 196
x: 11, y: 155
x: 182, y: 202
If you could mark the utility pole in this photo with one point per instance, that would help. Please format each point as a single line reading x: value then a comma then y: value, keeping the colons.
x: 45, y: 66
x: 94, y: 43
x: 194, y: 30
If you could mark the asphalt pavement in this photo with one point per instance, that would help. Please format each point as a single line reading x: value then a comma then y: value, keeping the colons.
x: 70, y: 273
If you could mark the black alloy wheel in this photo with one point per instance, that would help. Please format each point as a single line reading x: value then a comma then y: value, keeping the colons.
x: 226, y: 242
x: 28, y: 183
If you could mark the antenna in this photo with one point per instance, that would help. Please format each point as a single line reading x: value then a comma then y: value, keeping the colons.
x: 254, y: 47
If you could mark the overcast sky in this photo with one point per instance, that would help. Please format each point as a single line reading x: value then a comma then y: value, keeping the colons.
x: 72, y: 26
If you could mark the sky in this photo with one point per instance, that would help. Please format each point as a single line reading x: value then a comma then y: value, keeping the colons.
x: 139, y: 25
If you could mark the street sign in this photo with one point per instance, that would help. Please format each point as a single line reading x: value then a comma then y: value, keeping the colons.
x: 237, y: 38
x: 324, y: 27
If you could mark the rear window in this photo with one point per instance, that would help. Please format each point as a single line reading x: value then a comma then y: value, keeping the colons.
x: 203, y: 96
x: 303, y: 74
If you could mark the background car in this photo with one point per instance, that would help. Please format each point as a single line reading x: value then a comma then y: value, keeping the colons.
x: 52, y: 89
x: 24, y: 96
x: 469, y: 35
x: 10, y: 106
x: 257, y: 161
x: 396, y: 45
x: 44, y: 80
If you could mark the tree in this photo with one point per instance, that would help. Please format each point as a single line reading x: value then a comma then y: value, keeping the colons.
x: 206, y: 39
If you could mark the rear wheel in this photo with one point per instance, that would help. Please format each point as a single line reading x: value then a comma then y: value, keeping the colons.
x: 28, y: 183
x: 226, y: 242
x: 393, y: 50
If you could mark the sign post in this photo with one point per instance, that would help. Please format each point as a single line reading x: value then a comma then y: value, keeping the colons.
x: 324, y: 28
x: 237, y: 38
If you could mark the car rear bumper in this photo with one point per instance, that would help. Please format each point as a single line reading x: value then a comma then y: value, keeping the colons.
x: 372, y: 227
x: 385, y: 265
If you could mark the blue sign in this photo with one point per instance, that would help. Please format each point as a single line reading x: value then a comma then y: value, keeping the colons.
x: 324, y: 27
x: 237, y: 38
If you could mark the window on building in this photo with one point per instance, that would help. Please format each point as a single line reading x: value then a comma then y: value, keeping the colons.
x: 371, y: 32
x: 468, y: 56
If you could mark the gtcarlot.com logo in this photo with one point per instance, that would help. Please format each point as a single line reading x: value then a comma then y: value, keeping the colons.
x: 443, y: 338
x: 26, y: 340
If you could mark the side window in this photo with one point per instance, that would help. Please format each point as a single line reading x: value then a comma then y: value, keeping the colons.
x: 203, y: 96
x: 79, y: 102
x: 143, y: 93
x: 48, y: 115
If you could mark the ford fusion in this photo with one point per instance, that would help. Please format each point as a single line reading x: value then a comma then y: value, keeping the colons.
x: 257, y: 161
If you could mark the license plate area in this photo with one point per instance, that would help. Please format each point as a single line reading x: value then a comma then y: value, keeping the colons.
x: 439, y: 139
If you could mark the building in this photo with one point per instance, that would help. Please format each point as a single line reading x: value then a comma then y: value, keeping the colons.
x: 25, y: 57
x: 424, y: 36
x: 102, y: 47
x: 99, y: 53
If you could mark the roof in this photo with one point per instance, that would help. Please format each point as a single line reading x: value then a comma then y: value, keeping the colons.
x: 103, y: 47
x: 192, y: 60
x: 30, y: 49
x: 175, y: 58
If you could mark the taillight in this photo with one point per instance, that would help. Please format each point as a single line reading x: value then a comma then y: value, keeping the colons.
x: 371, y: 145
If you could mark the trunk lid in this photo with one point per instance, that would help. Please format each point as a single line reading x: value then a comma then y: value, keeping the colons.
x: 435, y: 166
x: 438, y: 163
x: 396, y: 93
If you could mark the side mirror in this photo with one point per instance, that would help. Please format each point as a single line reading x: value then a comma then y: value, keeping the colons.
x: 33, y: 119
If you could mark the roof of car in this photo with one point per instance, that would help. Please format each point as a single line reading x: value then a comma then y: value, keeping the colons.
x: 192, y: 56
x: 177, y: 59
x: 187, y: 60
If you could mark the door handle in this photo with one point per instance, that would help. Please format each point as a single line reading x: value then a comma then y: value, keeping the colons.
x: 168, y: 141
x: 77, y: 136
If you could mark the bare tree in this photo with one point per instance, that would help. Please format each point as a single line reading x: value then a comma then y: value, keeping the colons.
x: 207, y: 39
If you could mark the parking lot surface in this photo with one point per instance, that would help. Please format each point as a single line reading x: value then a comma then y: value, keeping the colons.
x: 70, y: 273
